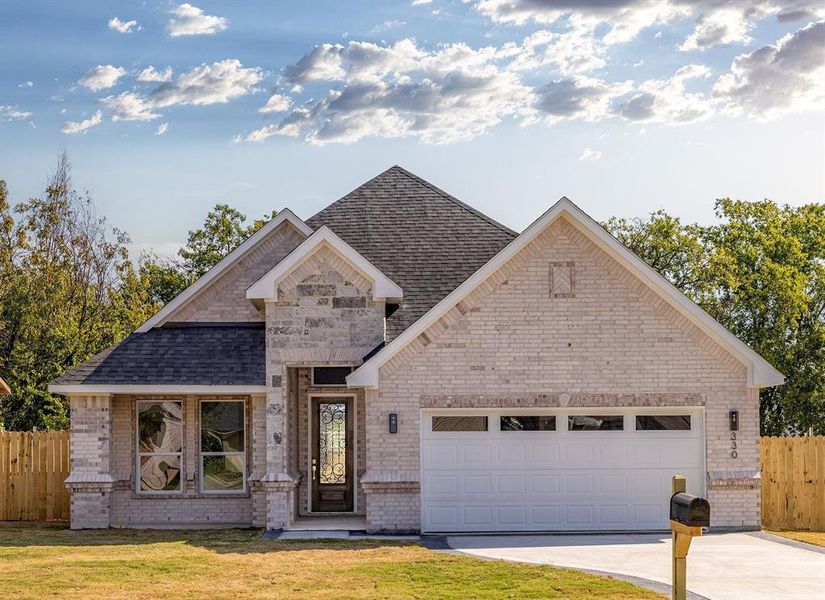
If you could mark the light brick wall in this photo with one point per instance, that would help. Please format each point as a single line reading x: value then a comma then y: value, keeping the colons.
x: 324, y: 315
x: 190, y: 508
x: 225, y: 298
x: 613, y: 340
x: 304, y: 390
x: 90, y: 482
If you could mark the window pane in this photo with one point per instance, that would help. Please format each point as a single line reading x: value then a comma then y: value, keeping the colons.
x: 159, y: 428
x: 222, y: 427
x: 159, y: 473
x: 330, y: 375
x: 663, y: 422
x: 595, y: 423
x: 223, y: 473
x: 459, y: 423
x: 519, y: 423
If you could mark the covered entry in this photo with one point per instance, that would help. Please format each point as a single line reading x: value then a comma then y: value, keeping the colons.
x: 552, y: 469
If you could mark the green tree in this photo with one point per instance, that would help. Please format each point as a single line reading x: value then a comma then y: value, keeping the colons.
x: 760, y: 271
x: 67, y: 291
x: 223, y: 230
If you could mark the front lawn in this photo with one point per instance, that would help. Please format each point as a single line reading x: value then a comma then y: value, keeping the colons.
x: 816, y: 538
x: 38, y: 561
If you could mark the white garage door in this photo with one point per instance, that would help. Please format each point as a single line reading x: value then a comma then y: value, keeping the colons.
x: 556, y: 470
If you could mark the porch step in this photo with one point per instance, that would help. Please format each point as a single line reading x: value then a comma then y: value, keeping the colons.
x: 334, y: 534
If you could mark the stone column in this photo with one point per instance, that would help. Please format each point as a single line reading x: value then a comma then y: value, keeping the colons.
x: 90, y: 481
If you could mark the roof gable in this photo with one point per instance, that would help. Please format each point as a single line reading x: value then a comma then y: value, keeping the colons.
x: 284, y: 217
x: 760, y: 372
x: 422, y: 238
x: 266, y: 288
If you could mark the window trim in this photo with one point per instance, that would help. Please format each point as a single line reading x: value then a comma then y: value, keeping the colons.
x: 636, y: 416
x: 327, y: 385
x: 594, y: 414
x: 555, y: 418
x: 243, y: 453
x: 486, y: 429
x: 139, y: 454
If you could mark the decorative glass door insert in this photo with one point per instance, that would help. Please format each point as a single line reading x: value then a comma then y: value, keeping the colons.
x: 332, y: 455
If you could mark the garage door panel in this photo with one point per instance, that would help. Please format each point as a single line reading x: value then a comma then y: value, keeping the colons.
x: 579, y: 483
x: 477, y: 485
x: 555, y: 480
x: 545, y: 484
x: 476, y: 455
x: 511, y: 455
x: 544, y: 453
x: 440, y: 455
x: 610, y: 515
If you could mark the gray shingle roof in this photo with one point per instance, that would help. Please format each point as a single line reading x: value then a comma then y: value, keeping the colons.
x: 418, y: 235
x: 421, y: 237
x: 212, y: 355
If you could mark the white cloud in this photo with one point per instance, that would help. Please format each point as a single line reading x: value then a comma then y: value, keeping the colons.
x: 149, y: 75
x: 419, y: 2
x: 387, y: 25
x: 716, y: 21
x: 13, y: 113
x: 723, y: 25
x: 27, y: 84
x: 573, y: 51
x: 624, y: 18
x: 577, y: 97
x: 784, y: 77
x: 123, y: 26
x: 276, y: 103
x: 162, y: 128
x: 450, y: 93
x: 101, y: 77
x: 667, y: 100
x: 74, y: 127
x: 217, y: 83
x: 590, y: 154
x: 191, y: 20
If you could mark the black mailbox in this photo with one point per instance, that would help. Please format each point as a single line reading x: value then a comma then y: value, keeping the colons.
x: 689, y: 510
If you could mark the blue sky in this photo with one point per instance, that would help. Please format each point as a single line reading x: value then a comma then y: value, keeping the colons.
x: 507, y: 104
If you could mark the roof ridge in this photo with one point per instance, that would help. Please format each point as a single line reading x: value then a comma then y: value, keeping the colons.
x: 352, y: 191
x: 452, y: 198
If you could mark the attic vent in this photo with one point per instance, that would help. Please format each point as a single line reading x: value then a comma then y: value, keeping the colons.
x: 561, y: 280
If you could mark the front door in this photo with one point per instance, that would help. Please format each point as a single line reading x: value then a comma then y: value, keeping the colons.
x: 332, y: 473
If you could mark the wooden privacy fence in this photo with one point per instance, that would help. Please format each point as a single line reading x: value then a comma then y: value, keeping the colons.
x: 33, y: 467
x: 793, y: 483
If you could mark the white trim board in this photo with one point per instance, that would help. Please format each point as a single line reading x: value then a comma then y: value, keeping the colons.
x: 266, y: 288
x: 212, y: 274
x: 760, y: 372
x: 81, y: 389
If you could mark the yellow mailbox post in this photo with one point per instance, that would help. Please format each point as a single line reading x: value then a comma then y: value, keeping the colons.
x: 688, y: 515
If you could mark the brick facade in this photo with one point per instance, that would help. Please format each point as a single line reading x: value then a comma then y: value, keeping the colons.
x: 561, y: 324
x: 611, y: 341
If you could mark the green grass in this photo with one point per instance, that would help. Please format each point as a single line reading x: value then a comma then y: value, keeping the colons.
x: 817, y: 538
x: 38, y: 561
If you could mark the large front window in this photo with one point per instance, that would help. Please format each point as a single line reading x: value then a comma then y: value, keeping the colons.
x: 159, y: 446
x: 223, y: 446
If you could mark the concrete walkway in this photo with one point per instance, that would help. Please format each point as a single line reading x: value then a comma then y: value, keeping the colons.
x: 728, y: 566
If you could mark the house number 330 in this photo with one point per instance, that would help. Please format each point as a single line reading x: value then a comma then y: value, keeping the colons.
x: 733, y: 453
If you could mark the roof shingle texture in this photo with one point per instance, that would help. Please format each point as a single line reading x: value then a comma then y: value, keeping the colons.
x: 421, y: 237
x: 418, y: 235
x: 179, y: 356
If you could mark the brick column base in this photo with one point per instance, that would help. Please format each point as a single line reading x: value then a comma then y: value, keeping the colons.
x: 392, y: 506
x: 90, y: 504
x: 274, y: 500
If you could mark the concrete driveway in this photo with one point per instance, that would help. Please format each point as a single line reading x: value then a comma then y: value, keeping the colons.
x: 727, y: 566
